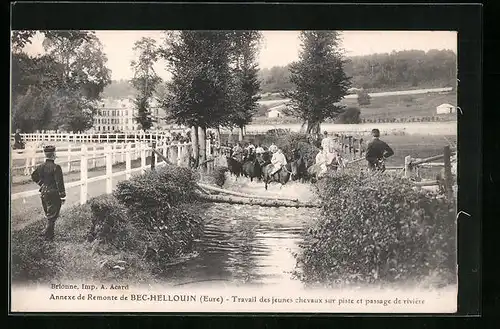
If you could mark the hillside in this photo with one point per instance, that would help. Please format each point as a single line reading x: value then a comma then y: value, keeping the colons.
x: 403, y: 70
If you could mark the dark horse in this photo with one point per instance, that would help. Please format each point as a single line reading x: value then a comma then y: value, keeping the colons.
x: 252, y: 167
x: 300, y: 172
x: 235, y: 167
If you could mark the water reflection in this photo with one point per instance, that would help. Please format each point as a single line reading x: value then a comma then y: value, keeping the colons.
x: 245, y: 245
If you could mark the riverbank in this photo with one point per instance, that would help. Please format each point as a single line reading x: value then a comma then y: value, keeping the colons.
x: 126, y: 237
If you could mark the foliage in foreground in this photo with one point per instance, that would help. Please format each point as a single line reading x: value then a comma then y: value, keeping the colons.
x: 161, y: 205
x: 377, y: 230
x: 150, y: 220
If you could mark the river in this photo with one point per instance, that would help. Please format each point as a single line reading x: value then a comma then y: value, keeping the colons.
x: 248, y: 245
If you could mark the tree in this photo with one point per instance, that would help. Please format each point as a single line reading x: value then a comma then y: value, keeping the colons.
x: 70, y: 77
x: 363, y: 98
x: 245, y: 78
x: 145, y: 80
x: 319, y: 80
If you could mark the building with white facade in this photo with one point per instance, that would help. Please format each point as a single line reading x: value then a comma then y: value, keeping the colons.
x: 445, y: 109
x: 117, y: 115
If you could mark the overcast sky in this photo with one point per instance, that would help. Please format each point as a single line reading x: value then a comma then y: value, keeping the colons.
x: 278, y: 47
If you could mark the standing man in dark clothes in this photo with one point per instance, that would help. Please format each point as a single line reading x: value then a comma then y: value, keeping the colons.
x: 52, y: 192
x: 18, y: 140
x: 376, y: 151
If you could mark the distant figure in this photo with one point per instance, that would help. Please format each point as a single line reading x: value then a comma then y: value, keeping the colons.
x: 49, y: 177
x: 18, y: 140
x: 377, y: 151
x: 278, y: 161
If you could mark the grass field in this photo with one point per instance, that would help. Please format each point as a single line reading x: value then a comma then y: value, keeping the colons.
x: 406, y: 106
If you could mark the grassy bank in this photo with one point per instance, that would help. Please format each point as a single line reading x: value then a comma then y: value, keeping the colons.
x: 130, y: 236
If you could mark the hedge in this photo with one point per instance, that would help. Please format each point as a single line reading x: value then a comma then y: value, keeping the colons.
x: 163, y: 204
x: 379, y: 230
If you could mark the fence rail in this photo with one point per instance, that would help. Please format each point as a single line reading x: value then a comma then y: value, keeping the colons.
x: 179, y: 152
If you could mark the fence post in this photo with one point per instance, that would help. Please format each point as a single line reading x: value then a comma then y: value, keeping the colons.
x: 407, y: 166
x: 94, y: 159
x: 83, y: 174
x: 153, y: 156
x: 113, y: 153
x: 128, y: 161
x: 143, y: 157
x: 179, y: 154
x: 69, y: 157
x: 360, y: 147
x: 109, y: 168
x: 33, y: 159
x: 448, y: 177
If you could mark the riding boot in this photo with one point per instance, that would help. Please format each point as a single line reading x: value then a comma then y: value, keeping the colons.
x: 49, y: 229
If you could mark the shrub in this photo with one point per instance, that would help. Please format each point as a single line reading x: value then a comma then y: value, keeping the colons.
x: 300, y: 142
x: 219, y: 175
x: 109, y: 223
x: 352, y: 115
x: 379, y: 229
x: 157, y: 189
x: 162, y: 204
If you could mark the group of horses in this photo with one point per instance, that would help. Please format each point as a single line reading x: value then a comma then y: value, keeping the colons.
x: 259, y: 167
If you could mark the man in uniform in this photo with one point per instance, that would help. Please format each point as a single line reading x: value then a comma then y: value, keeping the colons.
x: 18, y: 140
x: 376, y: 151
x: 49, y: 177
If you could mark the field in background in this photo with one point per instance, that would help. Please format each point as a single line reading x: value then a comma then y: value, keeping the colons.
x: 382, y: 107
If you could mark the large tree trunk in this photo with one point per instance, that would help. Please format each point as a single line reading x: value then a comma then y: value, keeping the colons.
x: 313, y: 129
x: 195, y: 144
x: 203, y: 146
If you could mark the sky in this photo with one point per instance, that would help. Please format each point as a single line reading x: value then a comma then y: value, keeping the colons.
x: 278, y: 48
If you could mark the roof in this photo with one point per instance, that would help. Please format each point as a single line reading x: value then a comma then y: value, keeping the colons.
x: 446, y: 105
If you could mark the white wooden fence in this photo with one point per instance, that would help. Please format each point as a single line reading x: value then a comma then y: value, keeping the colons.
x: 179, y: 152
x: 95, y: 137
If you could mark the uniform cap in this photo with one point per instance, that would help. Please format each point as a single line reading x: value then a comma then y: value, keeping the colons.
x: 49, y: 148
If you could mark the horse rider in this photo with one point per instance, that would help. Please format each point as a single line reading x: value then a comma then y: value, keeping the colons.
x: 238, y: 152
x: 321, y: 162
x: 278, y: 160
x: 273, y: 148
x: 250, y: 148
x: 376, y: 151
x: 49, y: 177
x: 18, y: 140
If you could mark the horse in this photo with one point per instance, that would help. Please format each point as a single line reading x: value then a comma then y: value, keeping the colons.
x: 281, y: 176
x: 252, y: 167
x: 235, y: 167
x: 300, y: 172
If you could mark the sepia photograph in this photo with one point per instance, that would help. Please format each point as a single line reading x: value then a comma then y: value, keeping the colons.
x: 233, y: 171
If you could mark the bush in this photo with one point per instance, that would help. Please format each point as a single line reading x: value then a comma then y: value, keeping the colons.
x: 162, y: 204
x: 300, y: 142
x: 352, y: 115
x: 379, y: 230
x: 363, y: 98
x: 109, y: 223
x: 158, y: 189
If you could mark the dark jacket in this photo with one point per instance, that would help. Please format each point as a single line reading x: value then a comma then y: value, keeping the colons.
x: 18, y: 138
x: 378, y: 149
x: 50, y: 178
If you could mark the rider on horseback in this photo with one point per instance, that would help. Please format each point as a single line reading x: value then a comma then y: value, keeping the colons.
x: 237, y: 152
x: 278, y: 160
x: 377, y: 151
